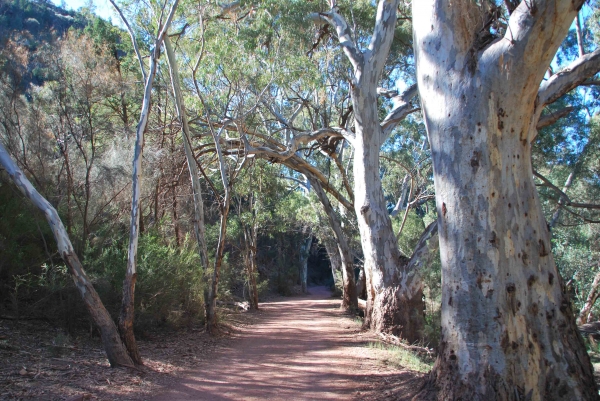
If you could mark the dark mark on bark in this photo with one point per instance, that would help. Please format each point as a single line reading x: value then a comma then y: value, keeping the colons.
x: 543, y: 251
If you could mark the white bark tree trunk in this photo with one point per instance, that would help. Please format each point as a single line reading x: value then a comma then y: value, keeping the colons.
x: 394, y: 294
x: 508, y: 332
x: 349, y: 298
x: 199, y: 227
x: 211, y: 300
x: 114, y: 348
x: 584, y: 313
x: 127, y: 307
x: 304, y: 255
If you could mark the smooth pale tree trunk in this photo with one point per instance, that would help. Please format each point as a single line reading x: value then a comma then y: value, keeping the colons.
x: 335, y: 262
x: 250, y: 237
x: 250, y: 231
x: 508, y: 331
x: 304, y: 254
x: 349, y: 299
x: 114, y: 348
x: 211, y: 298
x: 393, y: 292
x: 199, y: 227
x: 426, y: 249
x: 127, y: 306
x: 361, y: 284
x: 584, y: 313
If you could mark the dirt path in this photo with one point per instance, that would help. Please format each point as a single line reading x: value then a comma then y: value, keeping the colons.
x: 299, y: 349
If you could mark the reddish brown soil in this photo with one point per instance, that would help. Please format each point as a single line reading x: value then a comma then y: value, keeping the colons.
x: 298, y: 348
x: 301, y: 348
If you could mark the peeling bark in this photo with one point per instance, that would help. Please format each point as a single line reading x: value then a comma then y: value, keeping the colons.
x: 508, y: 332
x: 114, y: 348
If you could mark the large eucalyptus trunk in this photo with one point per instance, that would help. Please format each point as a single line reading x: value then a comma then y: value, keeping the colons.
x: 114, y: 348
x: 395, y: 296
x: 508, y: 331
x: 127, y: 305
x: 394, y: 293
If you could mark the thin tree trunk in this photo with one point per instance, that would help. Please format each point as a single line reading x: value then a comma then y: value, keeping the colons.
x: 585, y: 312
x: 127, y: 306
x: 250, y: 232
x: 252, y: 270
x: 349, y: 299
x: 199, y: 228
x: 304, y: 255
x: 361, y: 284
x: 211, y: 301
x: 174, y: 215
x: 579, y: 31
x: 115, y: 350
x: 561, y: 201
x: 335, y: 262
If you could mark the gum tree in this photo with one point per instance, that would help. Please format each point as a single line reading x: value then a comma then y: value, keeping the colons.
x: 508, y: 331
x: 395, y: 294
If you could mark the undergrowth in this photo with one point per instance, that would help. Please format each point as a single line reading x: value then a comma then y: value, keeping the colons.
x: 403, y: 358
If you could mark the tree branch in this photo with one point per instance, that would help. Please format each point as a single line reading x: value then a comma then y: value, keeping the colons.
x: 344, y: 36
x: 569, y: 78
x: 383, y: 35
x: 133, y: 41
x: 553, y: 117
x: 566, y: 201
x: 402, y: 109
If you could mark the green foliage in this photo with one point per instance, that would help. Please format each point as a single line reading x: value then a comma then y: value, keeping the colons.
x: 25, y: 237
x: 170, y: 281
x: 402, y: 358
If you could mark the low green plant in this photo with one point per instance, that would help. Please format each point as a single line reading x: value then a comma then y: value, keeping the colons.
x: 404, y: 358
x: 169, y: 284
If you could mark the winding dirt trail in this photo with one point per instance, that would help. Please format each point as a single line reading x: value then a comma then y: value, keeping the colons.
x: 300, y: 348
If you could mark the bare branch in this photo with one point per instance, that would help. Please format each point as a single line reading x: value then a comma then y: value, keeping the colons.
x: 569, y: 78
x: 579, y: 35
x: 566, y: 201
x: 344, y: 36
x: 402, y: 109
x: 383, y: 35
x: 553, y: 117
x: 133, y: 41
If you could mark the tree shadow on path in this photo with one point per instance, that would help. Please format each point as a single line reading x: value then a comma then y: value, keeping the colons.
x: 301, y: 348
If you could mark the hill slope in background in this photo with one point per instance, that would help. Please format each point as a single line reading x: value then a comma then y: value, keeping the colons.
x: 28, y: 30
